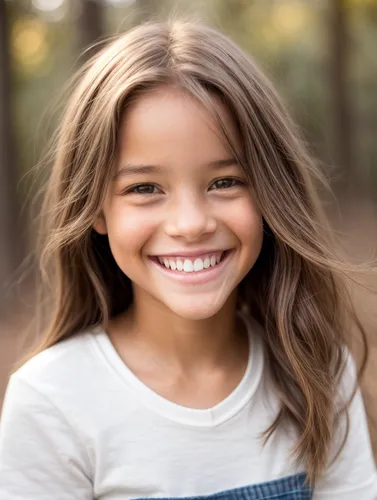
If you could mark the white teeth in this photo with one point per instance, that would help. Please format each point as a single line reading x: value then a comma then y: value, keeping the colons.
x: 188, y: 266
x: 198, y: 265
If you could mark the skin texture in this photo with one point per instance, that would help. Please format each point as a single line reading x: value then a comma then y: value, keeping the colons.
x: 185, y: 206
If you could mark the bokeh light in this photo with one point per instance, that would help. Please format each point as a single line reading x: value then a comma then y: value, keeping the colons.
x: 48, y: 5
x: 29, y: 46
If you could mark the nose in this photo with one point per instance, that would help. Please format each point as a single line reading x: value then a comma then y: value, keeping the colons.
x: 189, y: 218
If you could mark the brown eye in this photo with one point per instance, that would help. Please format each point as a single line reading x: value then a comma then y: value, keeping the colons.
x: 143, y: 189
x: 225, y: 183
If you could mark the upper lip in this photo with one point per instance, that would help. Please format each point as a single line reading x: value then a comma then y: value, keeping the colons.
x: 190, y: 253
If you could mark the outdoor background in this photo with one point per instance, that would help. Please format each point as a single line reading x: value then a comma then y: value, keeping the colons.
x: 321, y: 55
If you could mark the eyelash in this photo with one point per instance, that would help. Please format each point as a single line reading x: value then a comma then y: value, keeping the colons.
x: 132, y: 189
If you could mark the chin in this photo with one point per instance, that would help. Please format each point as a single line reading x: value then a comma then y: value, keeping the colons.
x: 196, y: 310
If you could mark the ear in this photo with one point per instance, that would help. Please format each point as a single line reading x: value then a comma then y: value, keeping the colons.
x: 100, y: 224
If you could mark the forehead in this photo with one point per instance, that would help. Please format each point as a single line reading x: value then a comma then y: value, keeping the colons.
x: 168, y: 124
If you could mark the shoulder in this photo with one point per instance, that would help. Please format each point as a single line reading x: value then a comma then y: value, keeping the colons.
x: 67, y: 364
x: 43, y: 451
x: 351, y: 470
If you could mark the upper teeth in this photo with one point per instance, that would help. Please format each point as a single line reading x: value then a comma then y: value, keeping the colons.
x: 190, y: 265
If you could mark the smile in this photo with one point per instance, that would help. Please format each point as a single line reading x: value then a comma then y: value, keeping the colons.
x: 191, y: 265
x: 193, y: 269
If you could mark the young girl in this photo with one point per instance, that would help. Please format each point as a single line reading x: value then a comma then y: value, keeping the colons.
x: 199, y: 318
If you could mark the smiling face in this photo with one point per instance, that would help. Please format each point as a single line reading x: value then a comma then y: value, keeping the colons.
x: 180, y: 219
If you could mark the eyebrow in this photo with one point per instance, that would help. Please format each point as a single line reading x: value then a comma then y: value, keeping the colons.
x: 130, y: 169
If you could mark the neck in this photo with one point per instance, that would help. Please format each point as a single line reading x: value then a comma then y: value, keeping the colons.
x: 184, y: 344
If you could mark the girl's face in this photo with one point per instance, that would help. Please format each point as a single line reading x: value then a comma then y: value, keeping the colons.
x: 180, y: 219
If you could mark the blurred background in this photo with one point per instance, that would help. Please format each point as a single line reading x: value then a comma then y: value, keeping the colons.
x: 320, y: 54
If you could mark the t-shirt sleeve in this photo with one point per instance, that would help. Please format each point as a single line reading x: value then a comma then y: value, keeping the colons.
x: 40, y: 456
x: 352, y: 474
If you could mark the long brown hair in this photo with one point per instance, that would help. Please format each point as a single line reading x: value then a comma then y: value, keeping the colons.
x: 298, y: 288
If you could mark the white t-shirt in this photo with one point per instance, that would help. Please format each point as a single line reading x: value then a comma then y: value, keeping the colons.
x: 78, y: 424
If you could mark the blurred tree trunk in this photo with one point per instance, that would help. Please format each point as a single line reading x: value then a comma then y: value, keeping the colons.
x: 90, y: 25
x: 339, y: 79
x: 11, y: 233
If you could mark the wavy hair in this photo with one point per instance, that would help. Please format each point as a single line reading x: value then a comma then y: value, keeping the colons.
x: 297, y: 289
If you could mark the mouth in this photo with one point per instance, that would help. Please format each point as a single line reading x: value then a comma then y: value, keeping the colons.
x: 195, y: 265
x: 196, y: 270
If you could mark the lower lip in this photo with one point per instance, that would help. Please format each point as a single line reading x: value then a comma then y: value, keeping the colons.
x: 195, y: 277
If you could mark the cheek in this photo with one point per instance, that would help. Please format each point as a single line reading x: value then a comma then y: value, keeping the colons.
x: 246, y: 222
x: 129, y: 229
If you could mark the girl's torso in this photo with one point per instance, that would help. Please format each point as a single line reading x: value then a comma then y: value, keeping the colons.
x: 78, y: 422
x: 133, y: 443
